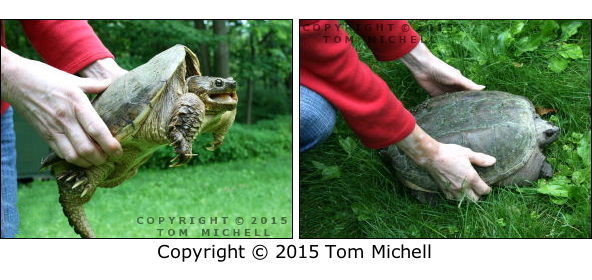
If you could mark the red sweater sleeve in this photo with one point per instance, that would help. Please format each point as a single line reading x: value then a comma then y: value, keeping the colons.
x: 69, y: 45
x: 330, y: 66
x: 388, y: 39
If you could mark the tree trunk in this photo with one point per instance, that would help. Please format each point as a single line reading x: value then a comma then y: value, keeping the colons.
x: 222, y: 53
x: 202, y: 50
x: 250, y: 85
x: 251, y: 82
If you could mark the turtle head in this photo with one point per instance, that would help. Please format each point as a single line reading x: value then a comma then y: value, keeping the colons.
x: 218, y: 94
x: 546, y: 131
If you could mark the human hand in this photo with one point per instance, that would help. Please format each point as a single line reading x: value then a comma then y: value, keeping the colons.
x: 448, y: 164
x: 435, y: 75
x: 54, y: 102
x: 105, y: 68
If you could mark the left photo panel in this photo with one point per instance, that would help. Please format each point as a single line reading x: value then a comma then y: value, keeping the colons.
x: 146, y: 129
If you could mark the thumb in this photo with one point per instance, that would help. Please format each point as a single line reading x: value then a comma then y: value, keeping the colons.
x: 481, y: 159
x: 89, y: 85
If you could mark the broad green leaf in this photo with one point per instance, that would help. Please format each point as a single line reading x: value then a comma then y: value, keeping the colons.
x: 528, y: 44
x: 347, y: 144
x: 554, y: 190
x: 327, y: 171
x: 559, y: 200
x: 504, y: 40
x: 577, y: 177
x: 572, y: 51
x: 569, y: 29
x: 517, y: 27
x: 549, y: 30
x: 583, y: 150
x: 558, y: 186
x: 557, y: 64
x: 331, y: 172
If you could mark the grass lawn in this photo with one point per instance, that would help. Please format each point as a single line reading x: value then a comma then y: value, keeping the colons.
x: 257, y: 190
x: 346, y: 191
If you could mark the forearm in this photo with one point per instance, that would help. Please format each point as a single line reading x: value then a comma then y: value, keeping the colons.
x: 419, y: 146
x: 10, y: 67
x: 418, y: 58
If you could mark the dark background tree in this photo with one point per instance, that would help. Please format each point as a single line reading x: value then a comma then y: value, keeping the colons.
x: 257, y: 53
x: 222, y: 54
x: 202, y: 49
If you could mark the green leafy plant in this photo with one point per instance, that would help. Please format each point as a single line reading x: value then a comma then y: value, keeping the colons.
x: 573, y: 171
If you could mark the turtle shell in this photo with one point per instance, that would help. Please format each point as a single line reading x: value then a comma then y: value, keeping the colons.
x: 492, y: 122
x: 128, y: 100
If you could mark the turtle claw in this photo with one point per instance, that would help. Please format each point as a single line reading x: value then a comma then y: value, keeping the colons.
x: 75, y: 181
x: 181, y: 159
x: 78, y: 183
x: 72, y: 176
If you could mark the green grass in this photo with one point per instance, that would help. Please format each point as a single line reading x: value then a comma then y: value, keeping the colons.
x: 244, y: 188
x: 346, y: 191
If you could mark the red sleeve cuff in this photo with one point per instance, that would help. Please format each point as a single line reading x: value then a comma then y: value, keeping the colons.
x: 69, y: 45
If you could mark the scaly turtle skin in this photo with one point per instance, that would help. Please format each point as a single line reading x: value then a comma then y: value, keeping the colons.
x: 165, y: 101
x: 500, y: 124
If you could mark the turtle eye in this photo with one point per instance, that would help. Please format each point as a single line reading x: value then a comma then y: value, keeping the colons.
x: 218, y: 82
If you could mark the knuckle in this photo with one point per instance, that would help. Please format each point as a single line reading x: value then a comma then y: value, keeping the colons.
x: 93, y: 130
x: 48, y: 136
x: 60, y: 113
x: 86, y: 150
x: 70, y: 157
x: 455, y: 187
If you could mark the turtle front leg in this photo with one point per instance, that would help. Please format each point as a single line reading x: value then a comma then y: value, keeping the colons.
x: 186, y: 120
x: 221, y: 129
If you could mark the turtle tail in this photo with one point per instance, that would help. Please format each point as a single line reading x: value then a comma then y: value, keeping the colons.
x: 77, y: 220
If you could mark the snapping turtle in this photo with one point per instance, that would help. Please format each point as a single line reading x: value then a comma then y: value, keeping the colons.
x: 165, y: 101
x: 496, y: 123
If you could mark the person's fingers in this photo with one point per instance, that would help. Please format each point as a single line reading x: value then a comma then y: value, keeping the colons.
x: 94, y: 126
x: 89, y: 85
x: 471, y: 195
x: 467, y: 84
x: 448, y: 195
x: 54, y: 148
x: 481, y: 159
x: 83, y: 145
x: 67, y: 151
x: 479, y: 186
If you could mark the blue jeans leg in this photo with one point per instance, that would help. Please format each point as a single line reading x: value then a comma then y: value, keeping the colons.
x: 317, y: 118
x: 9, y: 218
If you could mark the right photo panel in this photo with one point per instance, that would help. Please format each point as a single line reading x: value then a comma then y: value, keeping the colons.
x: 444, y: 129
